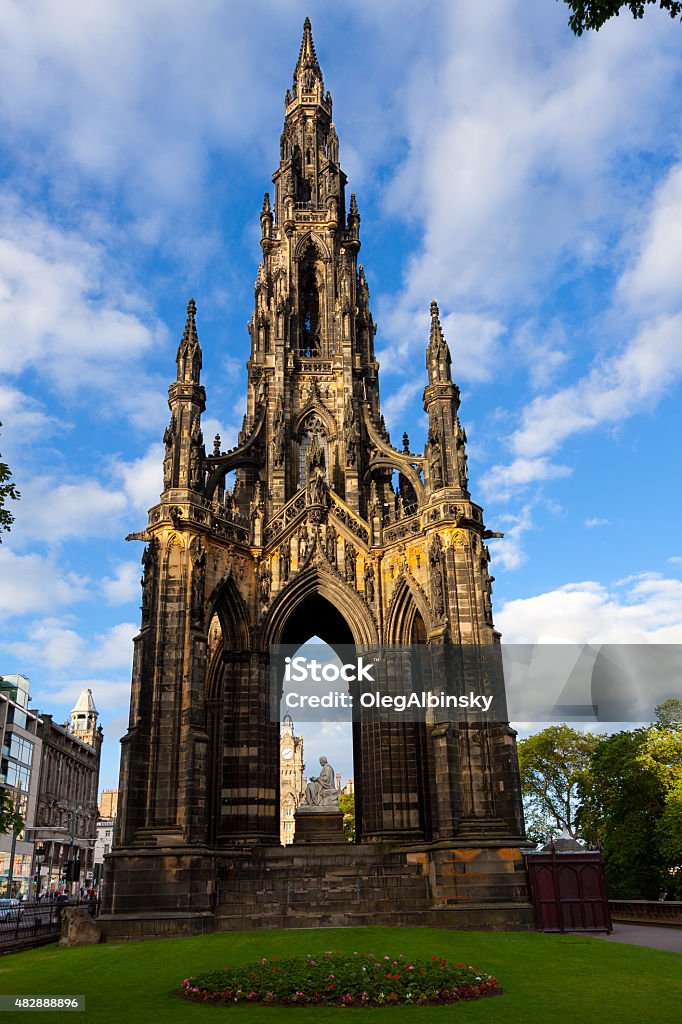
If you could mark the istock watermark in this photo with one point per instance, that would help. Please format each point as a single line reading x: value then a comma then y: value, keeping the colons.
x: 473, y: 682
x: 413, y: 683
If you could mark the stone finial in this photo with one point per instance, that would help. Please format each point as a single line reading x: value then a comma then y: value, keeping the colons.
x: 437, y: 353
x: 216, y: 445
x: 189, y: 351
x: 307, y: 71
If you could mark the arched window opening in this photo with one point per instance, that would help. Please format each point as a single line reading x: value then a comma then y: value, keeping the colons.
x: 310, y: 315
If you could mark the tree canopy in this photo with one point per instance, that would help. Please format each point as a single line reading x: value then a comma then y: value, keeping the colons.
x: 592, y: 14
x: 7, y: 491
x: 551, y: 764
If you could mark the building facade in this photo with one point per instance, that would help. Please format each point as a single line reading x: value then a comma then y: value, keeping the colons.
x: 108, y: 803
x: 66, y: 811
x: 314, y: 524
x: 51, y: 772
x: 19, y: 778
x: 291, y: 779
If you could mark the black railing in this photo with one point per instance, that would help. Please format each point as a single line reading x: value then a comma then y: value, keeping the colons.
x: 37, y: 921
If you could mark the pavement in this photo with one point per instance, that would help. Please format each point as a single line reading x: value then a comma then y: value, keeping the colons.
x: 654, y: 936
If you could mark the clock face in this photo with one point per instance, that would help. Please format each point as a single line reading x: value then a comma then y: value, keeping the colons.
x: 287, y: 752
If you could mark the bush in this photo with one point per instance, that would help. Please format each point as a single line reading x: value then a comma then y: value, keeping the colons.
x: 342, y: 979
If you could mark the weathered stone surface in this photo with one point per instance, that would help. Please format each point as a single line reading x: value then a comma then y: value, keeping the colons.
x: 79, y: 928
x: 318, y: 826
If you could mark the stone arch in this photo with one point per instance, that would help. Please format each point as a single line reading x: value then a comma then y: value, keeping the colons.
x: 315, y: 581
x: 408, y: 602
x: 173, y: 557
x: 228, y: 604
x: 312, y: 240
x: 386, y: 462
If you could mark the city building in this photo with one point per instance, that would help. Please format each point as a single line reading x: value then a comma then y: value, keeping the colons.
x: 314, y: 524
x: 103, y: 844
x: 106, y: 823
x: 66, y: 812
x: 291, y: 779
x: 108, y: 803
x: 19, y: 778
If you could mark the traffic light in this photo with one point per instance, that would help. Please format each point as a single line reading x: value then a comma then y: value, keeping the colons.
x: 73, y: 871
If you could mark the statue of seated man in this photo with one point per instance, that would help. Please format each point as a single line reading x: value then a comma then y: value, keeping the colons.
x: 321, y: 790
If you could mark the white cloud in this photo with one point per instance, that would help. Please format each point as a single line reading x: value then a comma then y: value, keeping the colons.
x: 32, y: 583
x: 509, y: 552
x: 53, y: 643
x: 654, y: 282
x: 596, y: 521
x: 515, y: 171
x: 644, y: 609
x: 124, y: 585
x: 614, y: 390
x: 70, y: 318
x: 50, y: 512
x: 108, y: 695
x: 500, y: 482
x: 141, y: 479
x: 114, y: 649
x: 23, y: 418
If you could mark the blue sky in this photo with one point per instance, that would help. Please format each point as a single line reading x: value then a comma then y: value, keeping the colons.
x: 531, y: 182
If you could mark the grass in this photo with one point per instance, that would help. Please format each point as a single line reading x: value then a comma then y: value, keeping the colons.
x: 543, y: 976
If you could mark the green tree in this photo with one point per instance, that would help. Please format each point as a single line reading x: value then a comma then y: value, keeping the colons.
x: 669, y: 839
x: 552, y: 763
x: 669, y: 714
x: 7, y: 491
x: 10, y: 819
x: 347, y: 805
x: 592, y: 14
x: 622, y: 801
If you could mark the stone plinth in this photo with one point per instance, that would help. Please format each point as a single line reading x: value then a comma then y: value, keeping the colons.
x: 79, y: 928
x: 318, y: 826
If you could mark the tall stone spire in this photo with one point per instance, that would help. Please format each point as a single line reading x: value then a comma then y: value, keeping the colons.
x: 189, y: 350
x: 437, y: 353
x: 307, y: 73
x: 446, y: 461
x: 183, y: 464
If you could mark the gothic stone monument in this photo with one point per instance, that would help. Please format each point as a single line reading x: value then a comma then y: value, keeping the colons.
x: 328, y: 528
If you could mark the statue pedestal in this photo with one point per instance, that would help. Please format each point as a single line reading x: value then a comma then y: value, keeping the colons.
x: 313, y: 826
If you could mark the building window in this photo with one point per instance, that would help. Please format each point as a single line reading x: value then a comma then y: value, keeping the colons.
x: 20, y: 749
x: 16, y: 774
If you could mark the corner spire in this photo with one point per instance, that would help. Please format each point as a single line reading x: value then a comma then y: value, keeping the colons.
x: 307, y: 72
x: 189, y: 350
x: 438, y: 358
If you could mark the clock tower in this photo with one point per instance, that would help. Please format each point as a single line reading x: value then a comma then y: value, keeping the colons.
x: 291, y: 779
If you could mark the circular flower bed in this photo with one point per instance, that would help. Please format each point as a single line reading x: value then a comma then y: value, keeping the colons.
x: 342, y: 979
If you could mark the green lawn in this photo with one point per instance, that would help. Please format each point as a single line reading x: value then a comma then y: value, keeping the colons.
x: 544, y: 976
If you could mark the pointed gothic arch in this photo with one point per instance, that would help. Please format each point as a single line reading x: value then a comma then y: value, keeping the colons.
x: 316, y: 581
x: 407, y: 618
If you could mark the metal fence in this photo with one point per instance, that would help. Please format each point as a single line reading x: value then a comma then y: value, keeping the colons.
x: 36, y: 922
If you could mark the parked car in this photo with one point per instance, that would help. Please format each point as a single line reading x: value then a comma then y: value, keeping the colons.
x: 11, y: 909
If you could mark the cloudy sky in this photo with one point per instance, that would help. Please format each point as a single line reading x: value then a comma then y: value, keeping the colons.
x: 530, y: 181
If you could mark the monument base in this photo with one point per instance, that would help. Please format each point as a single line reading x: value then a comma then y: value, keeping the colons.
x: 318, y: 826
x: 160, y: 893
